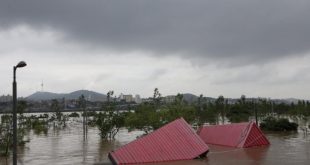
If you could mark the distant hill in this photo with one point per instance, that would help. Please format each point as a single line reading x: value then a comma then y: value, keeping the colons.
x: 95, y: 96
x: 44, y: 96
x: 190, y: 98
x: 90, y: 95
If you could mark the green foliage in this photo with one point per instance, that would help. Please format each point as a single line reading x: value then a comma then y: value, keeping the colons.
x: 157, y: 98
x: 21, y: 128
x: 109, y: 121
x: 237, y: 113
x: 21, y: 106
x: 151, y: 116
x: 302, y: 108
x: 5, y: 135
x: 56, y: 108
x: 145, y: 118
x: 109, y: 124
x: 39, y: 126
x: 273, y: 124
x: 240, y: 111
x: 6, y: 119
x: 179, y: 108
x: 207, y: 114
x: 58, y: 118
x: 220, y: 105
x: 210, y: 111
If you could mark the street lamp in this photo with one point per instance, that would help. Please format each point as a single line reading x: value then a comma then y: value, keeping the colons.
x: 19, y: 65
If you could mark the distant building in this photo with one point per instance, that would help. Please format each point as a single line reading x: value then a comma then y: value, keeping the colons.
x: 147, y: 100
x: 121, y: 97
x: 138, y: 99
x: 128, y: 98
x: 7, y: 98
x: 169, y: 99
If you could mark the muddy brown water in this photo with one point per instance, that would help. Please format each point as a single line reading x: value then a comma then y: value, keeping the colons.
x: 67, y: 146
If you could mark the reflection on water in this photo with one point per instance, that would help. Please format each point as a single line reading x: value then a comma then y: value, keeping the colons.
x: 68, y: 147
x: 290, y: 148
x: 223, y: 155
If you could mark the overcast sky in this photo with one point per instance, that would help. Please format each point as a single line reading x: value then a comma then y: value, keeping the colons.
x: 210, y: 47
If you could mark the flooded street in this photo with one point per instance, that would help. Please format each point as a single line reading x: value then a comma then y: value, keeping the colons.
x: 67, y: 146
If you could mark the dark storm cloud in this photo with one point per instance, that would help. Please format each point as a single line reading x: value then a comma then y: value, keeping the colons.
x: 250, y: 30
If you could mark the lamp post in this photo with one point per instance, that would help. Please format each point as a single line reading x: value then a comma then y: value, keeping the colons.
x: 19, y: 65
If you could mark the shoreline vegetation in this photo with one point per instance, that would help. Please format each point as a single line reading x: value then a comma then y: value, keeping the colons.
x: 151, y: 115
x: 278, y: 125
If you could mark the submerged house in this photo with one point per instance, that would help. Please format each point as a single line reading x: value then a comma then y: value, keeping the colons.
x: 174, y: 141
x: 241, y: 135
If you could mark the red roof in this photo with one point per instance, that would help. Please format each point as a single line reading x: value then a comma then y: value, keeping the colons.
x: 240, y: 135
x: 174, y: 141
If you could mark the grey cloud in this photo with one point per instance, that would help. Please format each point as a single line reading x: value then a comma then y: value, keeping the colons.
x: 248, y: 75
x: 102, y: 77
x: 156, y: 74
x: 239, y: 30
x: 264, y: 75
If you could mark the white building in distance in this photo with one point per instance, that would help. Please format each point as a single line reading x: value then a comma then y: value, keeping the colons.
x: 7, y: 98
x: 128, y: 98
x: 138, y: 99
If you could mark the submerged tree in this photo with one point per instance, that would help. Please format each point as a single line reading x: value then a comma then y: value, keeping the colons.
x: 109, y: 121
x: 58, y: 118
x: 178, y: 108
x: 6, y: 134
x: 145, y: 118
x: 208, y: 114
x: 220, y: 106
x: 21, y: 129
x: 272, y: 124
x: 240, y: 111
x: 157, y: 98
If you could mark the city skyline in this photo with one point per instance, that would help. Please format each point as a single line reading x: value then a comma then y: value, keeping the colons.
x: 204, y: 47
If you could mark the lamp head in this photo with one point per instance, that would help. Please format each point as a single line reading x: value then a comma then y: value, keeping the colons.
x: 21, y: 64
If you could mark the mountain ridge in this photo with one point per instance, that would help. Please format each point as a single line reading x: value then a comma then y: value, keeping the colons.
x: 90, y: 95
x: 96, y: 96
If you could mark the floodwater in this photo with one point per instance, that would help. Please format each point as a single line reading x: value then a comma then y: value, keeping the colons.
x: 67, y: 146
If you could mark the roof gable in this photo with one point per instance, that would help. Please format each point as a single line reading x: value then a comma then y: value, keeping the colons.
x: 174, y: 141
x: 233, y: 135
